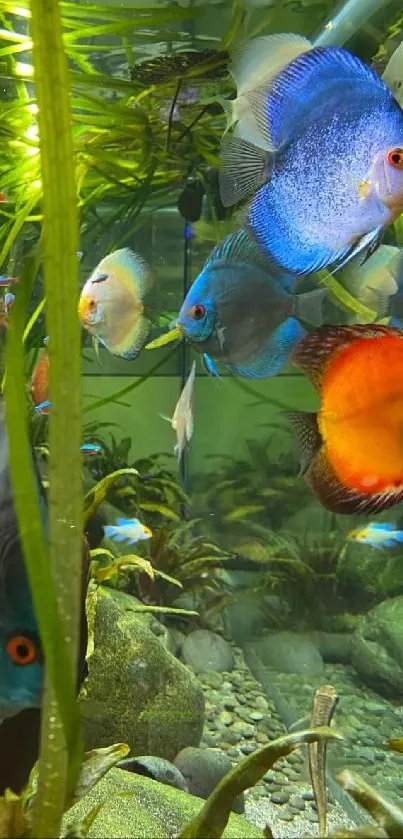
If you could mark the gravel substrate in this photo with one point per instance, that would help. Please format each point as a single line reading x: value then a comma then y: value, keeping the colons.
x: 366, y: 719
x: 239, y: 719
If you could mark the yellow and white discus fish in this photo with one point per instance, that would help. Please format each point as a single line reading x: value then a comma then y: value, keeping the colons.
x: 111, y: 305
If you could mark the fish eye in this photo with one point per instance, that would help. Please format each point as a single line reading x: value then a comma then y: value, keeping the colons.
x: 21, y: 649
x: 198, y: 311
x: 92, y: 305
x: 395, y: 158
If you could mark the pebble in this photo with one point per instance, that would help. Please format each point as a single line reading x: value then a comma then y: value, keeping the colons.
x: 312, y: 817
x: 212, y: 679
x: 297, y: 802
x: 248, y: 731
x: 226, y: 718
x: 256, y: 716
x: 279, y: 797
x: 229, y: 703
x: 286, y: 815
x: 261, y: 737
x: 308, y: 795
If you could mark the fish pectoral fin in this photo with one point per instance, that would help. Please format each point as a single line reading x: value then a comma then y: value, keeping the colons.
x: 309, y: 306
x: 308, y: 435
x: 244, y: 169
x: 210, y: 365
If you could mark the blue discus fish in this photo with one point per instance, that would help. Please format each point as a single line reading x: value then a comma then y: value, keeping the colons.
x: 327, y: 172
x: 127, y: 530
x: 378, y: 535
x: 239, y: 313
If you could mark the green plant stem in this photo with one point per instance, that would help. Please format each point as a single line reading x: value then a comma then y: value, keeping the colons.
x: 60, y: 245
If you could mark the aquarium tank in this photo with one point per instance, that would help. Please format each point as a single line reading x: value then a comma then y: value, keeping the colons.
x: 201, y: 415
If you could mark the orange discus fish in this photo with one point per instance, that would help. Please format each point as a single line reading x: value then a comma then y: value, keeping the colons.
x: 352, y: 449
x: 40, y: 380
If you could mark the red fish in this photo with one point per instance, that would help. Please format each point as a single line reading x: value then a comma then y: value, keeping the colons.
x: 40, y: 380
x: 352, y: 449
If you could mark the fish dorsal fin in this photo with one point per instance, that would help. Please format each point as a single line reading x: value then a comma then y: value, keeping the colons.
x: 134, y: 267
x: 260, y: 59
x: 306, y: 428
x: 299, y: 89
x: 382, y: 526
x: 254, y: 67
x: 244, y: 169
x: 314, y: 352
x: 126, y: 522
x: 235, y: 248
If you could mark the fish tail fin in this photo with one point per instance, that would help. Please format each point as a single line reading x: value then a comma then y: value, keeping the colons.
x: 398, y: 536
x: 308, y: 435
x: 110, y: 531
x: 309, y: 306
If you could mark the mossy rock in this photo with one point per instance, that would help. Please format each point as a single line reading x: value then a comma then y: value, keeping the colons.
x: 136, y: 691
x: 138, y: 807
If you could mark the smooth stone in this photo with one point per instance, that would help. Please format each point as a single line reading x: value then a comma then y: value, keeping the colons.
x: 308, y: 795
x: 279, y: 797
x: 212, y: 679
x: 312, y: 817
x: 297, y: 802
x: 248, y: 732
x: 286, y: 815
x: 261, y: 703
x: 242, y: 700
x: 226, y: 718
x: 377, y: 649
x: 204, y: 650
x: 290, y: 652
x: 229, y: 703
x: 256, y: 716
x: 247, y: 748
x: 375, y: 708
x: 261, y: 737
x: 203, y: 769
x: 230, y: 736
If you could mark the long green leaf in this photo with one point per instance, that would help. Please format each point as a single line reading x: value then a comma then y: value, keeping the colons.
x: 213, y: 817
x: 58, y: 769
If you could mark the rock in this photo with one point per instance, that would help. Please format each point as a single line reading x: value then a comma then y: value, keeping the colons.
x: 279, y: 797
x: 205, y: 650
x: 212, y: 679
x: 334, y: 647
x: 377, y: 649
x: 175, y: 641
x: 147, y: 810
x: 289, y: 652
x: 203, y: 769
x: 244, y: 620
x: 226, y: 718
x: 136, y: 692
x: 156, y: 768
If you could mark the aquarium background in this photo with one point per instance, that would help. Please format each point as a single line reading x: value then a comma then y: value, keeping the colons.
x: 257, y: 591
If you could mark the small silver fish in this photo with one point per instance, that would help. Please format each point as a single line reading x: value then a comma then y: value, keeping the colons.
x: 182, y: 420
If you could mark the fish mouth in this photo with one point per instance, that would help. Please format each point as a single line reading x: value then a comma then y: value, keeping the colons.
x: 172, y: 335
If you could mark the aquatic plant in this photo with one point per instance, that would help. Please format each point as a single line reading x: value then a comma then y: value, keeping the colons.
x: 213, y: 818
x: 387, y: 815
x: 246, y: 500
x: 16, y: 811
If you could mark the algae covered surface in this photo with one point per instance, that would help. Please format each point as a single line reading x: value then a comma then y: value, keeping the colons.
x: 141, y: 808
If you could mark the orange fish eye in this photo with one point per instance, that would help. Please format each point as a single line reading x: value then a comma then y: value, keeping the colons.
x: 197, y: 312
x: 21, y: 649
x: 395, y: 158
